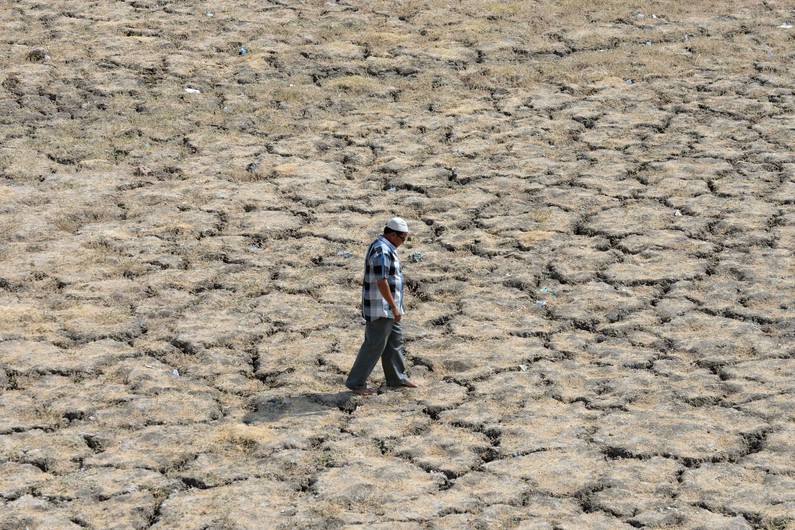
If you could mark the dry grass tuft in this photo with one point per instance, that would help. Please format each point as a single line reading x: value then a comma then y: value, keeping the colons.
x: 243, y: 438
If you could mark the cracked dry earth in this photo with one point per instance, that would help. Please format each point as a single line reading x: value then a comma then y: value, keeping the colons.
x: 601, y: 273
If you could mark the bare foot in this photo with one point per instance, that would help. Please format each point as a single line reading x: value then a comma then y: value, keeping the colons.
x: 362, y: 391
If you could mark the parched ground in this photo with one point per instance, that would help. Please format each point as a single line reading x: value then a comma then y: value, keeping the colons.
x: 601, y: 312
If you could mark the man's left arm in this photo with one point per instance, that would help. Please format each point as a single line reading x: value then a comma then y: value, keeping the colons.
x: 383, y: 287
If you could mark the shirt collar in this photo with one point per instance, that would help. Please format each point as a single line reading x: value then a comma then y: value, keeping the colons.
x: 385, y: 240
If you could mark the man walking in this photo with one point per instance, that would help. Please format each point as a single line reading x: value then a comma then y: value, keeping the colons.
x: 382, y: 309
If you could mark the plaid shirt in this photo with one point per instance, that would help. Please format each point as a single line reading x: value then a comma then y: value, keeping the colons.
x: 381, y: 262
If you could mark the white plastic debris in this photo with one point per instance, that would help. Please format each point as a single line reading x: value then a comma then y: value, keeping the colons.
x: 210, y: 14
x: 175, y: 372
x: 193, y: 90
x: 677, y: 213
x: 786, y: 25
x: 540, y: 303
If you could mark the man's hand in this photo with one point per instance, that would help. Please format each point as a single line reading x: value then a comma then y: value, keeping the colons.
x: 396, y: 312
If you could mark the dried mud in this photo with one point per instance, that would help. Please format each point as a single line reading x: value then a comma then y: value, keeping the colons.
x: 601, y: 267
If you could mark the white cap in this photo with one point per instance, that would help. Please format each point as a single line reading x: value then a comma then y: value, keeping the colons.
x: 398, y: 225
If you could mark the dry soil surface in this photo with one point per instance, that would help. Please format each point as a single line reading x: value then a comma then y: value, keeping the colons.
x: 601, y: 304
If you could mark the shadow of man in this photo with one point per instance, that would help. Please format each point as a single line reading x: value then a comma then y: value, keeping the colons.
x: 269, y: 409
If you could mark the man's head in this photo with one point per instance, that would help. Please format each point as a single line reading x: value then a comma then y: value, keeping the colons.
x: 396, y: 231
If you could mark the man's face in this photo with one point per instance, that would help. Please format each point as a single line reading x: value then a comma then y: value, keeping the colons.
x: 398, y: 238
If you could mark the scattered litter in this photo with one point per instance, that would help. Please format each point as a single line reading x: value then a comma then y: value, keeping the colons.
x: 540, y: 303
x: 38, y: 54
x: 548, y: 290
x: 648, y: 43
x: 677, y: 213
x: 344, y: 253
x: 210, y: 14
x: 417, y: 257
x: 769, y: 53
x: 148, y: 366
x: 255, y: 248
x: 687, y: 37
x: 175, y: 372
x: 242, y: 51
x: 786, y: 26
x: 524, y: 367
x: 193, y: 91
x: 628, y: 81
x: 251, y: 167
x: 392, y: 190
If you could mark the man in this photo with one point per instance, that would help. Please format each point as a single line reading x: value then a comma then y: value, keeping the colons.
x: 382, y: 309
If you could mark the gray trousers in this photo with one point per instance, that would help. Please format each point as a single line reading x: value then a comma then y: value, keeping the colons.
x: 383, y: 339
